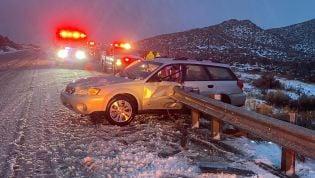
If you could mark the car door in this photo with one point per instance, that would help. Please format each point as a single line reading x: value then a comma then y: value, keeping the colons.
x: 159, y: 88
x: 197, y: 78
x: 224, y: 80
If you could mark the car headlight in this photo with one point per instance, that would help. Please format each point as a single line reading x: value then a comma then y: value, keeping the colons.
x: 90, y: 91
x: 80, y: 54
x: 63, y: 53
x: 118, y: 62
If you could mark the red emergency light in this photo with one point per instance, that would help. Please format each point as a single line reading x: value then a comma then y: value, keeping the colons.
x: 91, y: 43
x: 122, y: 45
x: 71, y: 34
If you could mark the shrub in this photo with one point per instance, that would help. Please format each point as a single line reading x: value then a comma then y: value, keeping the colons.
x: 267, y: 81
x: 265, y: 109
x: 306, y: 119
x: 306, y: 103
x: 278, y: 98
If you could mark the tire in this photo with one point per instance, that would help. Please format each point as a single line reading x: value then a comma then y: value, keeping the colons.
x: 121, y: 110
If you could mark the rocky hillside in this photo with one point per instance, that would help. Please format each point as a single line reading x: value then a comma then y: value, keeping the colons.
x: 6, y: 44
x: 288, y: 50
x: 300, y: 37
x: 238, y: 41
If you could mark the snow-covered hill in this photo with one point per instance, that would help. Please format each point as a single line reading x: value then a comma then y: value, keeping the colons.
x: 6, y: 45
x: 288, y: 51
x: 300, y: 37
x: 237, y: 40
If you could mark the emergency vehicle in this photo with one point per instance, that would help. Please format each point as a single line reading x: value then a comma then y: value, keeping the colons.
x: 71, y: 47
x: 117, y: 56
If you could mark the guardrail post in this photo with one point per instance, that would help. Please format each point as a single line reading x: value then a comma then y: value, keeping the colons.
x: 288, y: 156
x: 215, y: 129
x: 215, y: 123
x: 195, y: 116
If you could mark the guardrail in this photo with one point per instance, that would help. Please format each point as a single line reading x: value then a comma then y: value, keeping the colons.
x: 290, y: 136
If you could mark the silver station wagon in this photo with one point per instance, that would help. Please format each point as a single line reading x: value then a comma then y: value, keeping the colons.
x: 148, y: 85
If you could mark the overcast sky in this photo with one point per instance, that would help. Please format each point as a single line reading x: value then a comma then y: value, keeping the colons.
x: 35, y: 21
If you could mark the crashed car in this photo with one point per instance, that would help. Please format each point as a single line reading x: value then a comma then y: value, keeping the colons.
x: 148, y: 85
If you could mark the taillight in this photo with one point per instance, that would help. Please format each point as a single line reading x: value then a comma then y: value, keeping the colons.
x: 240, y: 84
x: 126, y: 59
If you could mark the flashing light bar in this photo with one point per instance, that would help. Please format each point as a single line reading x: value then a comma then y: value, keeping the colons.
x: 69, y: 34
x: 122, y: 45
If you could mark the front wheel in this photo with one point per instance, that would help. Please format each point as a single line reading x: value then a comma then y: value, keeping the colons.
x: 120, y: 110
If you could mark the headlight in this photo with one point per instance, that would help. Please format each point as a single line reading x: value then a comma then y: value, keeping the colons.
x: 118, y: 62
x: 90, y: 91
x: 63, y: 53
x: 80, y: 55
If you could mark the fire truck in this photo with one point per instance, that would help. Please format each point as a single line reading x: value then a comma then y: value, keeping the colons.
x: 71, y: 47
x: 117, y: 56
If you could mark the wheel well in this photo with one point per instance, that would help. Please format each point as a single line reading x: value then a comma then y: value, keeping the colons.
x: 130, y: 97
x: 225, y: 98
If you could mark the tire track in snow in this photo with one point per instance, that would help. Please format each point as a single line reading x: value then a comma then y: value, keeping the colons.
x: 23, y: 102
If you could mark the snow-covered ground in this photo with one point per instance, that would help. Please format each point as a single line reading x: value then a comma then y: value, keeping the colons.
x: 302, y: 87
x: 9, y: 50
x: 293, y: 88
x: 42, y: 138
x: 270, y: 153
x: 263, y: 151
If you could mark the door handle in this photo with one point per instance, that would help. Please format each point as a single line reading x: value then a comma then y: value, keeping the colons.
x: 210, y: 86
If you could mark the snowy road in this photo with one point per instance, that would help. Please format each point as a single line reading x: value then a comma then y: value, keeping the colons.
x: 42, y: 138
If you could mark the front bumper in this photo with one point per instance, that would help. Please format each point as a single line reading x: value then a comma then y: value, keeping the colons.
x: 83, y: 104
x: 71, y: 60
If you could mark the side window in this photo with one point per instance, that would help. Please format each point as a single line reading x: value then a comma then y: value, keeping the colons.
x: 172, y: 73
x: 221, y: 73
x: 196, y: 73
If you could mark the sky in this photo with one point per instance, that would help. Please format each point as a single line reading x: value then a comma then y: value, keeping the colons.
x: 36, y: 21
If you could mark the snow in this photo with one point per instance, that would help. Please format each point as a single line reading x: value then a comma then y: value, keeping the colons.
x: 247, y: 76
x: 219, y: 48
x: 268, y: 53
x: 10, y: 50
x: 270, y: 153
x: 306, y: 88
x: 48, y: 140
x: 293, y: 88
x: 240, y: 32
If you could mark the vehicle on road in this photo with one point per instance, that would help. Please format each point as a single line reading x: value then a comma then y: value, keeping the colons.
x: 118, y: 56
x: 71, y: 47
x: 147, y: 86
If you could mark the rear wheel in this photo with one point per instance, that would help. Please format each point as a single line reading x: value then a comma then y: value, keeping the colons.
x: 121, y: 110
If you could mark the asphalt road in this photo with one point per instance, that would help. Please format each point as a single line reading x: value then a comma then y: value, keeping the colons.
x: 31, y: 114
x: 42, y: 138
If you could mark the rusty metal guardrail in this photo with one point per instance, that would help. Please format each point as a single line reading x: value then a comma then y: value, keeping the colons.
x: 294, y: 137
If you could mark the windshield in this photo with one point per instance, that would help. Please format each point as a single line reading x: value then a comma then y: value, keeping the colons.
x: 140, y: 70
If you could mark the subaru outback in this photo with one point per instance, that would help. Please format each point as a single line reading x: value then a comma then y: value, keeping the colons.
x: 148, y: 86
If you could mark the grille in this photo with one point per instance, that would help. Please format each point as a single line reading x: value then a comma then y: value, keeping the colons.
x: 70, y: 90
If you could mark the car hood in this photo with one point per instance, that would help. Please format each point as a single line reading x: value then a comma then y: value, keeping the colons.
x: 97, y: 82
